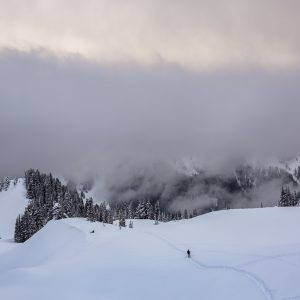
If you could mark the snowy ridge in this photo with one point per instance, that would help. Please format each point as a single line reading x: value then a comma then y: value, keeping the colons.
x: 191, y: 166
x: 236, y: 254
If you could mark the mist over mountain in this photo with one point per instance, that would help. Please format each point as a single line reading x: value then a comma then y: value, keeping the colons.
x: 128, y: 129
x: 244, y: 186
x: 122, y: 117
x: 81, y: 120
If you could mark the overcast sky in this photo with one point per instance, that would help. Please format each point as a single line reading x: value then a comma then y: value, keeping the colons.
x: 88, y: 85
x: 194, y: 34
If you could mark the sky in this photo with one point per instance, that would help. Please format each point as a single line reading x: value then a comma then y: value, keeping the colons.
x: 88, y: 86
x: 193, y: 34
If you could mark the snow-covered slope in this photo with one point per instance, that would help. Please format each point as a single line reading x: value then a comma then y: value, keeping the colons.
x: 12, y: 203
x: 236, y: 254
x: 292, y: 166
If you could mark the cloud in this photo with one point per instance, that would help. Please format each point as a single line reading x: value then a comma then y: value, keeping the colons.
x: 78, y: 119
x: 113, y: 89
x: 191, y: 34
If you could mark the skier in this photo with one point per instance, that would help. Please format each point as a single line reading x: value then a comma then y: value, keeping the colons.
x: 93, y: 231
x: 188, y: 253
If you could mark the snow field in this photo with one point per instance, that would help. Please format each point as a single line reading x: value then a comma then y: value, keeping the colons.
x: 236, y: 254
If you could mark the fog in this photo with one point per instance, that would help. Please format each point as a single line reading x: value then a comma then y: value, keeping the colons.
x: 83, y: 120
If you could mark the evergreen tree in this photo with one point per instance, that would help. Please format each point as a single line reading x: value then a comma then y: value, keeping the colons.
x: 57, y: 212
x: 141, y: 211
x: 130, y: 211
x: 131, y: 224
x: 5, y: 184
x: 285, y: 197
x: 157, y: 211
x: 49, y: 199
x: 89, y: 208
x: 185, y: 214
x: 195, y: 214
x: 109, y: 216
x: 18, y: 230
x: 149, y: 210
x: 122, y: 221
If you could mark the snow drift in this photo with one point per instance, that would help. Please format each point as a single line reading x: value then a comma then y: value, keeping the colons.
x: 236, y: 254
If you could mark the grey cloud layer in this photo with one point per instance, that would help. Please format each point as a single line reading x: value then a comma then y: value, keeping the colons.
x: 75, y: 118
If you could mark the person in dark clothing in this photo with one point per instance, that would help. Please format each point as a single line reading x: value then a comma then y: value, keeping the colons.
x: 93, y: 231
x: 188, y: 253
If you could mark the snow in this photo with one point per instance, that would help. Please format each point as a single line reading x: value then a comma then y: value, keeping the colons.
x: 12, y: 203
x: 236, y: 254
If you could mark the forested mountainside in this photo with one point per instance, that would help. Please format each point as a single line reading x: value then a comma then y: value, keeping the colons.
x: 201, y: 191
x: 185, y: 196
x: 50, y: 199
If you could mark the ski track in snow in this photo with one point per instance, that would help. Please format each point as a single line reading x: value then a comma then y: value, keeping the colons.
x: 274, y: 257
x: 259, y: 282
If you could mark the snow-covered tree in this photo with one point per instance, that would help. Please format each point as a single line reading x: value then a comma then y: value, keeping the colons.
x: 5, y: 184
x: 157, y: 211
x: 141, y: 211
x: 149, y: 210
x: 89, y: 209
x: 130, y: 224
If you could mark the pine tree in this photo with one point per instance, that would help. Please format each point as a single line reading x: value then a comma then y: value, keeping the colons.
x: 185, y: 214
x: 282, y: 197
x: 141, y: 211
x: 97, y: 215
x: 122, y: 221
x: 157, y: 211
x: 195, y: 214
x: 131, y: 224
x: 89, y: 208
x: 30, y: 178
x: 67, y: 204
x: 5, y: 184
x: 285, y: 197
x: 18, y: 230
x: 109, y: 216
x: 130, y: 211
x: 57, y: 212
x: 149, y: 210
x: 178, y: 215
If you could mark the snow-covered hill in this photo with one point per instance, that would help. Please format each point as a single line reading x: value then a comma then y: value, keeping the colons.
x: 236, y: 254
x: 12, y: 203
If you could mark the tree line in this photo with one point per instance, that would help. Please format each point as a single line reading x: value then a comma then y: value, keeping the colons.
x: 288, y: 198
x: 5, y: 183
x: 49, y: 200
